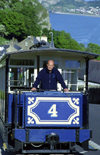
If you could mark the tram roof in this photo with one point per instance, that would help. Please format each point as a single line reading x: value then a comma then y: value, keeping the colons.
x: 64, y: 52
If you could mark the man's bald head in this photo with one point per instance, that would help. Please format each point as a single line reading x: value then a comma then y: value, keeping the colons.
x: 50, y: 65
x: 51, y: 62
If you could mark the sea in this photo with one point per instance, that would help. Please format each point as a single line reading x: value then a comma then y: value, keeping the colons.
x: 84, y: 29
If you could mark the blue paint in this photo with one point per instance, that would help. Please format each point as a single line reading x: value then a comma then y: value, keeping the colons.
x: 10, y: 102
x: 11, y: 105
x: 20, y: 135
x: 63, y: 108
x: 39, y: 135
x: 84, y: 135
x: 51, y: 94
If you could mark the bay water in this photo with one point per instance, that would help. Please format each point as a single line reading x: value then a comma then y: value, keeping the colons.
x: 84, y: 29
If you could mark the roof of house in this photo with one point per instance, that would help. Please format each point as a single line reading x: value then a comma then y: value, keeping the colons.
x: 3, y: 49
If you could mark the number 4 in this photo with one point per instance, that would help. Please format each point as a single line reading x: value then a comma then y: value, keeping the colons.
x: 53, y: 111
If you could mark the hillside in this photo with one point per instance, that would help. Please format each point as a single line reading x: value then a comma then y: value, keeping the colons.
x: 20, y: 18
x: 74, y: 6
x: 61, y: 5
x: 17, y: 5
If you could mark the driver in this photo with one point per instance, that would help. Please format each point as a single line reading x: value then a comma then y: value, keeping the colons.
x: 48, y: 78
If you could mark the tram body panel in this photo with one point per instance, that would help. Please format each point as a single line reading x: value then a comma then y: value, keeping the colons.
x: 44, y: 113
x: 55, y: 108
x: 65, y: 135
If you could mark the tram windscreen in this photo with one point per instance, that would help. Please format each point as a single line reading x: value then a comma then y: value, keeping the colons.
x: 73, y: 75
x: 21, y: 74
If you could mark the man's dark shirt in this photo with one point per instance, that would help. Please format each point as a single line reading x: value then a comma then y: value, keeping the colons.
x: 48, y: 80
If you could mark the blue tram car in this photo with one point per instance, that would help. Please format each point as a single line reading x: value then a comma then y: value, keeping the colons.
x: 44, y: 121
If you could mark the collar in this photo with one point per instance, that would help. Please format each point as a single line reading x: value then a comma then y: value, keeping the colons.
x: 51, y: 71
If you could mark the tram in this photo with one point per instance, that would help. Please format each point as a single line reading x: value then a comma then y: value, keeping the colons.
x: 44, y: 121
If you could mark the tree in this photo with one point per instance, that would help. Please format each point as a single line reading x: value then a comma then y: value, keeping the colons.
x: 3, y: 41
x: 14, y: 24
x: 31, y: 20
x: 3, y: 31
x: 94, y: 48
x: 64, y: 40
x: 21, y: 18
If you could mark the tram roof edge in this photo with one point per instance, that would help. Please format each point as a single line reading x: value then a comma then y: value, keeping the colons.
x: 84, y: 54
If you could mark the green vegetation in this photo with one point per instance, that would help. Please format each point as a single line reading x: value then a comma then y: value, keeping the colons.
x: 94, y: 48
x: 3, y: 41
x: 64, y: 40
x: 14, y: 24
x: 2, y: 94
x: 19, y: 19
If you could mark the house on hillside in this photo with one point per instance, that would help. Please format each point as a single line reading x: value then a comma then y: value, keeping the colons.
x: 29, y: 43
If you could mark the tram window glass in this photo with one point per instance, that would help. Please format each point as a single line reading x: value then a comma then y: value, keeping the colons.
x: 72, y: 64
x: 22, y: 62
x: 70, y: 74
x: 70, y: 78
x: 21, y: 77
x: 21, y: 74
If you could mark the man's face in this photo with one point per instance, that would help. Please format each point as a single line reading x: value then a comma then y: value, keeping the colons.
x: 50, y: 65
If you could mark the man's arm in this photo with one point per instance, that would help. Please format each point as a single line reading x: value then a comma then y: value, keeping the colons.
x: 37, y: 82
x: 61, y: 81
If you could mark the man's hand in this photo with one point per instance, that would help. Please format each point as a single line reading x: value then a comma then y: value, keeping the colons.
x: 66, y: 90
x: 33, y: 89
